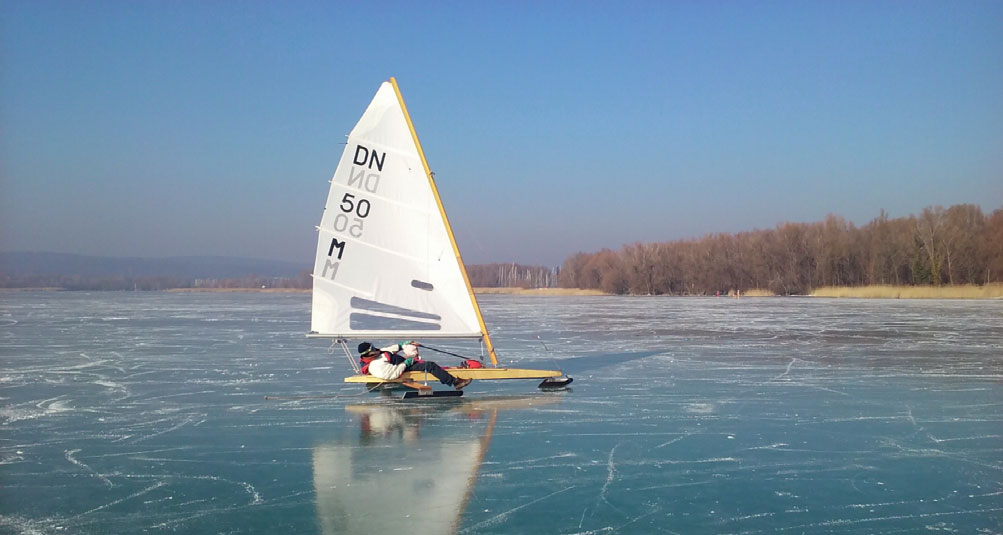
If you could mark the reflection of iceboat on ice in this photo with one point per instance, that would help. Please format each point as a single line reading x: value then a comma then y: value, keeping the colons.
x: 412, y: 467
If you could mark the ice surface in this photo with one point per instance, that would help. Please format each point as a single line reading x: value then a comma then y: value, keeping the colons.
x: 131, y: 412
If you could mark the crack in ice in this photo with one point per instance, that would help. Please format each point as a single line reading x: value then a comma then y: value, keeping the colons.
x: 501, y: 517
x: 137, y: 494
x: 72, y: 459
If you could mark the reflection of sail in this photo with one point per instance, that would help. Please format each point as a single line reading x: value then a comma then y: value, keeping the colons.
x: 411, y: 470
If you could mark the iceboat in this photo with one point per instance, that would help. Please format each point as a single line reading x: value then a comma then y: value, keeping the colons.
x: 387, y: 266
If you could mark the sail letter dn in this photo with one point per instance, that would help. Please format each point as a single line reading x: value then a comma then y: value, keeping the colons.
x: 370, y: 182
x: 362, y: 154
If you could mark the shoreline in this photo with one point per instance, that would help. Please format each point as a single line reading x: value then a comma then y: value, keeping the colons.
x: 241, y: 290
x: 887, y: 291
x: 538, y: 291
x: 961, y: 291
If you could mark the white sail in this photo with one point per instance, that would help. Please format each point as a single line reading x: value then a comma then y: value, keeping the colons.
x: 386, y: 263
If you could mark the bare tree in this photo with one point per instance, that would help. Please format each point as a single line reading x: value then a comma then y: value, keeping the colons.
x: 963, y: 228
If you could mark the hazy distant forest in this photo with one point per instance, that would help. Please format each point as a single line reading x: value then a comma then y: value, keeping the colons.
x: 957, y: 245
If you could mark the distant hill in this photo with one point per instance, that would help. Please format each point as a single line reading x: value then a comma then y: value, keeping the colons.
x: 23, y: 264
x: 82, y: 272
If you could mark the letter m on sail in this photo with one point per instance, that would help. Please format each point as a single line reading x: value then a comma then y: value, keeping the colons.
x: 332, y: 267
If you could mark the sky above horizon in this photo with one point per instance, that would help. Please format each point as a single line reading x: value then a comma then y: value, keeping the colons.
x: 212, y: 128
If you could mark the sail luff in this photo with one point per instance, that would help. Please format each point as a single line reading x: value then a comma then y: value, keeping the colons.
x: 449, y: 229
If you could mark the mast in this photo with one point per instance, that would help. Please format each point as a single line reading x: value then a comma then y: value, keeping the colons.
x: 449, y: 229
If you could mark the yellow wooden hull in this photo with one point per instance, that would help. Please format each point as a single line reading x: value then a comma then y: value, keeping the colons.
x: 479, y: 374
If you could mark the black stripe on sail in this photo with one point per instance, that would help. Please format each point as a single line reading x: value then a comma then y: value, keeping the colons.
x: 367, y: 322
x: 421, y: 285
x: 375, y: 306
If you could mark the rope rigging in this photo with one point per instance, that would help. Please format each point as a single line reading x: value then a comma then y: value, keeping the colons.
x: 444, y: 352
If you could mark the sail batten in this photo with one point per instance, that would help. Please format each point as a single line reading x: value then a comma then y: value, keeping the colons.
x: 364, y: 244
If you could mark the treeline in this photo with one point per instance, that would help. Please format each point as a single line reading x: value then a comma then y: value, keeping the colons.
x: 488, y: 275
x: 957, y: 245
x: 511, y: 276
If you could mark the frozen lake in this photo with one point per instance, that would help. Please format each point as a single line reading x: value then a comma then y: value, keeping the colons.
x: 146, y: 412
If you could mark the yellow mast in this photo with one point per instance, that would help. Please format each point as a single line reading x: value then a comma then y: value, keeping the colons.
x: 449, y: 230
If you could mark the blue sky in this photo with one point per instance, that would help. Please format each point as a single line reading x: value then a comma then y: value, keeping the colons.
x: 212, y: 128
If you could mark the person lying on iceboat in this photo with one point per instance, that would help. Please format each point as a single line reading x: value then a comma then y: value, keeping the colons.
x: 388, y: 363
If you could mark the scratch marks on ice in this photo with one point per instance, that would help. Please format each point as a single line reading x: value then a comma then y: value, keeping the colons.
x: 70, y: 457
x: 501, y: 517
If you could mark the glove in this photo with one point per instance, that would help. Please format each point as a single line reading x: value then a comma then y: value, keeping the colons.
x: 408, y: 362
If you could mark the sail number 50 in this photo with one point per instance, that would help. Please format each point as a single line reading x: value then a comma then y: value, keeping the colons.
x: 349, y: 205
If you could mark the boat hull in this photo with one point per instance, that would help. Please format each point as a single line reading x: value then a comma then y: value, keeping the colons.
x: 480, y: 374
